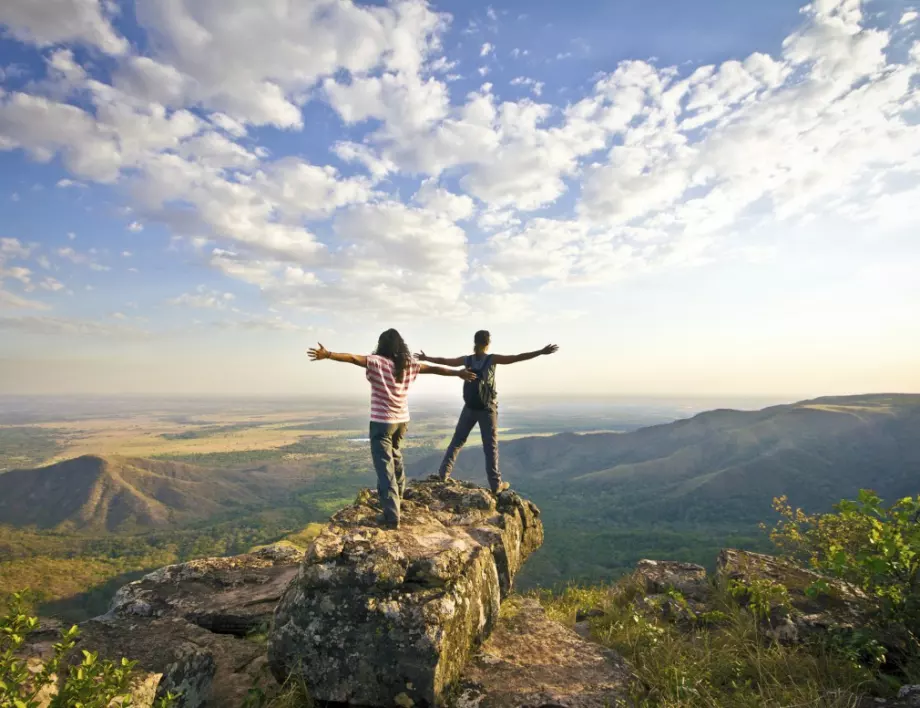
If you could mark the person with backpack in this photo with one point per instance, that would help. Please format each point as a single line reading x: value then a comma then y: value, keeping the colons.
x: 390, y: 370
x: 480, y: 399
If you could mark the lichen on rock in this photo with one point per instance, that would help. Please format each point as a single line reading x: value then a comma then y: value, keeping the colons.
x: 377, y: 617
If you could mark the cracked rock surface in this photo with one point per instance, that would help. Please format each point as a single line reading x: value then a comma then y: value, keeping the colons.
x: 378, y: 616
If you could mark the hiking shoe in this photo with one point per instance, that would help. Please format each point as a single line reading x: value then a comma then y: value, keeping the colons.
x: 504, y: 486
x: 387, y: 523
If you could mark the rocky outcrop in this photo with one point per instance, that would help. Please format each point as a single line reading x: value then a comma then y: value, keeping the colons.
x: 377, y: 617
x: 908, y: 697
x: 173, y: 655
x: 674, y: 591
x: 235, y: 595
x: 837, y: 607
x: 531, y: 660
x: 658, y: 577
x: 683, y: 593
x: 184, y: 625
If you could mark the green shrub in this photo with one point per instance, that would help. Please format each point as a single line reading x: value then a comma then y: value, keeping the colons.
x: 730, y: 665
x: 872, y: 548
x: 761, y: 595
x: 90, y: 684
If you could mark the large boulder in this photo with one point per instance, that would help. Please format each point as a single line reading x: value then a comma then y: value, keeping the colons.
x: 674, y: 591
x: 837, y: 607
x: 530, y: 660
x: 206, y: 670
x: 378, y: 616
x: 192, y: 628
x: 659, y: 577
x: 235, y: 595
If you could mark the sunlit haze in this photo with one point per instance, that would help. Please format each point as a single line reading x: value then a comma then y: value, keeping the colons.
x: 690, y: 198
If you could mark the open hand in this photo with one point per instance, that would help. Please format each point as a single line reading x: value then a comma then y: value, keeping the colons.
x: 467, y: 375
x: 550, y: 349
x: 421, y: 356
x: 319, y: 353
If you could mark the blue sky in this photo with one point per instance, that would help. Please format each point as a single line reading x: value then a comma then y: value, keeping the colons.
x: 690, y: 198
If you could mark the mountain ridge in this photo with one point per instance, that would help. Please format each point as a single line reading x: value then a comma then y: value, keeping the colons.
x: 817, y: 450
x: 111, y: 493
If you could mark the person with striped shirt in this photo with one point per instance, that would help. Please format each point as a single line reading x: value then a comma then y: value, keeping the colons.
x: 391, y: 369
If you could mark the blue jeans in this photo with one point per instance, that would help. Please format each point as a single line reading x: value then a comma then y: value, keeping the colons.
x: 388, y: 462
x: 487, y: 420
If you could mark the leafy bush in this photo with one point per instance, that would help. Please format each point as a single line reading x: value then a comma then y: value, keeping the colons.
x: 761, y: 595
x: 90, y: 684
x: 872, y: 548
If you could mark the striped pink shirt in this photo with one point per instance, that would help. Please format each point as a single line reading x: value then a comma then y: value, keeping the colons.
x: 389, y: 398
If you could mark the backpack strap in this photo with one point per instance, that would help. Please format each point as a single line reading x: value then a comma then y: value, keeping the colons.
x: 483, y: 365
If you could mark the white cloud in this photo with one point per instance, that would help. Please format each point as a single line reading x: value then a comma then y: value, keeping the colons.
x: 650, y: 168
x: 10, y: 301
x: 95, y: 147
x: 392, y: 258
x: 65, y: 183
x: 228, y: 124
x: 214, y: 150
x: 909, y: 16
x: 204, y: 298
x: 51, y: 284
x: 377, y: 165
x: 535, y: 86
x: 253, y: 71
x: 441, y: 65
x: 23, y: 275
x: 260, y: 323
x: 13, y: 248
x: 50, y: 22
x: 135, y: 227
x: 297, y: 188
x: 83, y: 259
x: 454, y: 207
x: 243, y: 213
x: 46, y: 325
x: 126, y: 254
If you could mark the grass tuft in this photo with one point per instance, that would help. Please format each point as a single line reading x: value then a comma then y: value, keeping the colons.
x: 728, y: 663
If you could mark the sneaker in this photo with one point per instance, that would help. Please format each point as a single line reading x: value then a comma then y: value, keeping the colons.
x: 504, y: 486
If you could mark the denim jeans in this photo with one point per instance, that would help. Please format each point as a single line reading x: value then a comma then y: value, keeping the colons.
x: 488, y: 430
x: 388, y: 462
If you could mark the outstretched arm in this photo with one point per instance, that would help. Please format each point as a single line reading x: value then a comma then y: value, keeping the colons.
x: 321, y: 353
x: 464, y: 374
x: 515, y: 358
x: 451, y: 361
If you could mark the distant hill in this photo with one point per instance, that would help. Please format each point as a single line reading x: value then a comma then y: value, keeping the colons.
x: 725, y: 465
x: 689, y: 487
x: 114, y: 494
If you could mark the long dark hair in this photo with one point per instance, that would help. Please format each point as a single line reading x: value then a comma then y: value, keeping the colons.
x: 394, y: 347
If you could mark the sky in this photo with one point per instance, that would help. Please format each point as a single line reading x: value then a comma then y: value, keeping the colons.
x: 707, y: 198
